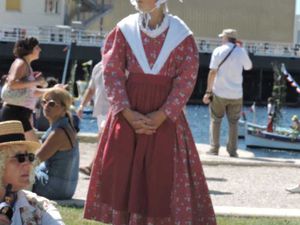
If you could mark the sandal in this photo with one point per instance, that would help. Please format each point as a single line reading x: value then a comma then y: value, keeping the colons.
x: 86, y: 170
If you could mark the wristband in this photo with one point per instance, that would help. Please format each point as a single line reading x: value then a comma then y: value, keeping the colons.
x: 208, y: 92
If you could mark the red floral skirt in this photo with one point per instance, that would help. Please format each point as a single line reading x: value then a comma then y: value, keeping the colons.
x: 137, y: 168
x: 135, y: 177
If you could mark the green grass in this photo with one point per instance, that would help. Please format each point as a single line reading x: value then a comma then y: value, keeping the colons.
x: 256, y: 221
x: 73, y: 216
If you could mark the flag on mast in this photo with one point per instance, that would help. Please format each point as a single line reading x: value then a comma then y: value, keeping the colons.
x: 253, y: 108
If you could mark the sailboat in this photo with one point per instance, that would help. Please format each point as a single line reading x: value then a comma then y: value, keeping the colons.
x: 280, y: 138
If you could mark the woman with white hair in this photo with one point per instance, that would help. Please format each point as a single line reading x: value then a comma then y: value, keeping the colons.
x: 147, y: 169
x: 17, y: 158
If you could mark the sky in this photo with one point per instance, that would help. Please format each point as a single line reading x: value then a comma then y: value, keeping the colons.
x: 297, y: 7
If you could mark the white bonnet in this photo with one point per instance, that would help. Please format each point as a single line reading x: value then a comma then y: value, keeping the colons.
x: 158, y: 2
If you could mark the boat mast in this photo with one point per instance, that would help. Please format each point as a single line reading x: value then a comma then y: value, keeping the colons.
x: 278, y: 93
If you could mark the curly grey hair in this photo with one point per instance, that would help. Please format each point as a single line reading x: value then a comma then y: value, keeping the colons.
x: 6, y: 152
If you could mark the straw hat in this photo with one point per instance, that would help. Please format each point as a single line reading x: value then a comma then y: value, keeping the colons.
x: 12, y: 133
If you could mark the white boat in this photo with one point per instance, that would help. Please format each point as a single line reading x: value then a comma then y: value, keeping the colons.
x: 242, y: 127
x: 282, y: 139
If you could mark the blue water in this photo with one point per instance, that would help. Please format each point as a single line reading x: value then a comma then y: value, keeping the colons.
x: 198, y: 119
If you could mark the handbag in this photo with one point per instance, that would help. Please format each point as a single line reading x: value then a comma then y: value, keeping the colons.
x: 15, y: 96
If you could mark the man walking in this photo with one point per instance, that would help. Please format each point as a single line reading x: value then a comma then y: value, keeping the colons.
x: 224, y: 92
x: 101, y: 106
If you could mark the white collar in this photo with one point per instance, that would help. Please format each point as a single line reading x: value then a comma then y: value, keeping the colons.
x: 177, y: 32
x: 153, y: 33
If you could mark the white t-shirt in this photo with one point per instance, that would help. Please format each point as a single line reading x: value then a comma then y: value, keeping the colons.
x: 101, y: 104
x: 229, y: 79
x: 271, y: 109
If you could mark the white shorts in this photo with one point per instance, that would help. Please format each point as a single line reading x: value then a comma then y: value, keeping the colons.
x: 101, y: 120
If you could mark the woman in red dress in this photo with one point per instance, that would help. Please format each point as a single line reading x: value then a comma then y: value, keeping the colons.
x: 147, y: 170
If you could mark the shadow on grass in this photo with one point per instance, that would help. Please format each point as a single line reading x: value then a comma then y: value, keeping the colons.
x: 76, y: 203
x: 212, y: 192
x: 216, y: 179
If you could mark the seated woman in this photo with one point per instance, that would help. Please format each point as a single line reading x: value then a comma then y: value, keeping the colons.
x: 18, y: 206
x: 295, y: 123
x: 57, y: 175
x: 39, y: 120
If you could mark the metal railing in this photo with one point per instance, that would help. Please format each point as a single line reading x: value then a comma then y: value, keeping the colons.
x: 260, y: 48
x: 62, y: 35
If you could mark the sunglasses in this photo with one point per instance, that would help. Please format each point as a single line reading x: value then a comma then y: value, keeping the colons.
x: 21, y: 157
x: 50, y: 102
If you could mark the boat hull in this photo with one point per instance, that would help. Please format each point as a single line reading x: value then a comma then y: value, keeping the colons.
x: 242, y: 127
x: 263, y: 139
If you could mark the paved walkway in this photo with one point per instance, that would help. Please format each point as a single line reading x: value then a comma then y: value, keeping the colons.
x: 244, y: 186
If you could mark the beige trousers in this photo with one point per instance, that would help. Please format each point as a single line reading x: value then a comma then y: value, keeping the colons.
x: 218, y: 107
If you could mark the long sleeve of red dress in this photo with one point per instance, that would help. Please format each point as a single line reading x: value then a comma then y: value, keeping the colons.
x: 187, y: 63
x: 114, y: 55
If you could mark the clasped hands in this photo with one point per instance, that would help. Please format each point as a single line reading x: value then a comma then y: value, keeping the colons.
x: 144, y: 124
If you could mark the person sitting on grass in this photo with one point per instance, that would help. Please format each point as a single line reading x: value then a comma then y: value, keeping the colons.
x: 57, y: 175
x: 17, y: 159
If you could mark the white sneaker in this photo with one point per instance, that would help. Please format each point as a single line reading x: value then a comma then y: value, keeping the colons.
x: 295, y: 189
